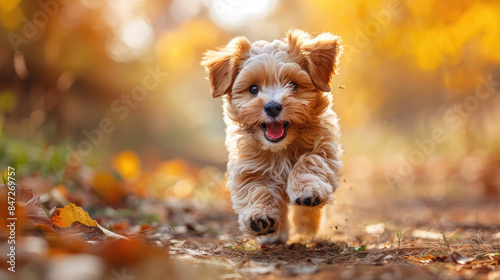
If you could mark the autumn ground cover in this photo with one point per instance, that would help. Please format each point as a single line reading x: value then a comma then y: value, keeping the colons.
x: 106, y: 225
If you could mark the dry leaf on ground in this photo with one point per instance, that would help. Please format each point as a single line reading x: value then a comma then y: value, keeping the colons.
x: 34, y: 213
x: 72, y: 219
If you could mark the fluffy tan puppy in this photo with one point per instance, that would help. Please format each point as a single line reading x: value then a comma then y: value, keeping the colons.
x: 281, y: 133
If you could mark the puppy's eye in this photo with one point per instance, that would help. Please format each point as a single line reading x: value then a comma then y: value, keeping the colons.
x: 294, y: 86
x: 254, y: 89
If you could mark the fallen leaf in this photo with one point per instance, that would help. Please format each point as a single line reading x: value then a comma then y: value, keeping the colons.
x: 453, y: 257
x: 34, y: 213
x: 75, y: 221
x: 82, y: 231
x: 111, y: 234
x: 24, y: 195
x: 459, y: 258
x: 426, y: 259
x: 494, y: 258
x: 65, y: 217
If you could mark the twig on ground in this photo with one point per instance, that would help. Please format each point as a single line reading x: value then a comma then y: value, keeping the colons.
x: 440, y: 229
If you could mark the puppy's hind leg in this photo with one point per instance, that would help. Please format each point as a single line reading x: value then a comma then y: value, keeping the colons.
x: 306, y: 220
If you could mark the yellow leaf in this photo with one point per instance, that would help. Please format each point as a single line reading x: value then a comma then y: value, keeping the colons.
x: 65, y: 217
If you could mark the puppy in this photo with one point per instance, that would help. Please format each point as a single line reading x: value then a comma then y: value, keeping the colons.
x: 281, y: 133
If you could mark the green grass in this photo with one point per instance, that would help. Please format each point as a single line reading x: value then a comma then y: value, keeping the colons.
x: 34, y: 156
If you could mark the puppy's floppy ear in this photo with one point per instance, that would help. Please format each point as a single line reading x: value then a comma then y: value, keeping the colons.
x: 223, y: 64
x: 319, y: 56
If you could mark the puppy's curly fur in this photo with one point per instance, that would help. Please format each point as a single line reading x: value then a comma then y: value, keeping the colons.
x: 282, y: 135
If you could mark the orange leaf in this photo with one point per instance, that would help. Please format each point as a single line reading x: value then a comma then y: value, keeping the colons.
x: 65, y: 217
x: 73, y: 220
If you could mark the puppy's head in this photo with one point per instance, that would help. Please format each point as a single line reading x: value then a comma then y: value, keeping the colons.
x: 273, y: 88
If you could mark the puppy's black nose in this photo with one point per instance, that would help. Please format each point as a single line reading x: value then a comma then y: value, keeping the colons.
x: 273, y: 109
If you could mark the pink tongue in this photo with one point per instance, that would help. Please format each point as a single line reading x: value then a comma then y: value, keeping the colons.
x: 275, y: 130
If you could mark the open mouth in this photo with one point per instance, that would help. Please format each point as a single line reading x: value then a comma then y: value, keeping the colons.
x: 275, y: 131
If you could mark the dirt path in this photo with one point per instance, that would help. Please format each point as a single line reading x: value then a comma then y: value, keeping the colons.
x: 368, y: 233
x: 472, y: 252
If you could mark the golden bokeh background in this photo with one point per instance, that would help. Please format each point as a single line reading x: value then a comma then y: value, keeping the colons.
x: 117, y: 85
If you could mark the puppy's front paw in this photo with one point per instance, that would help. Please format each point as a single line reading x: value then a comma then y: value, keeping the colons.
x: 259, y: 225
x: 310, y: 195
x: 309, y: 201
